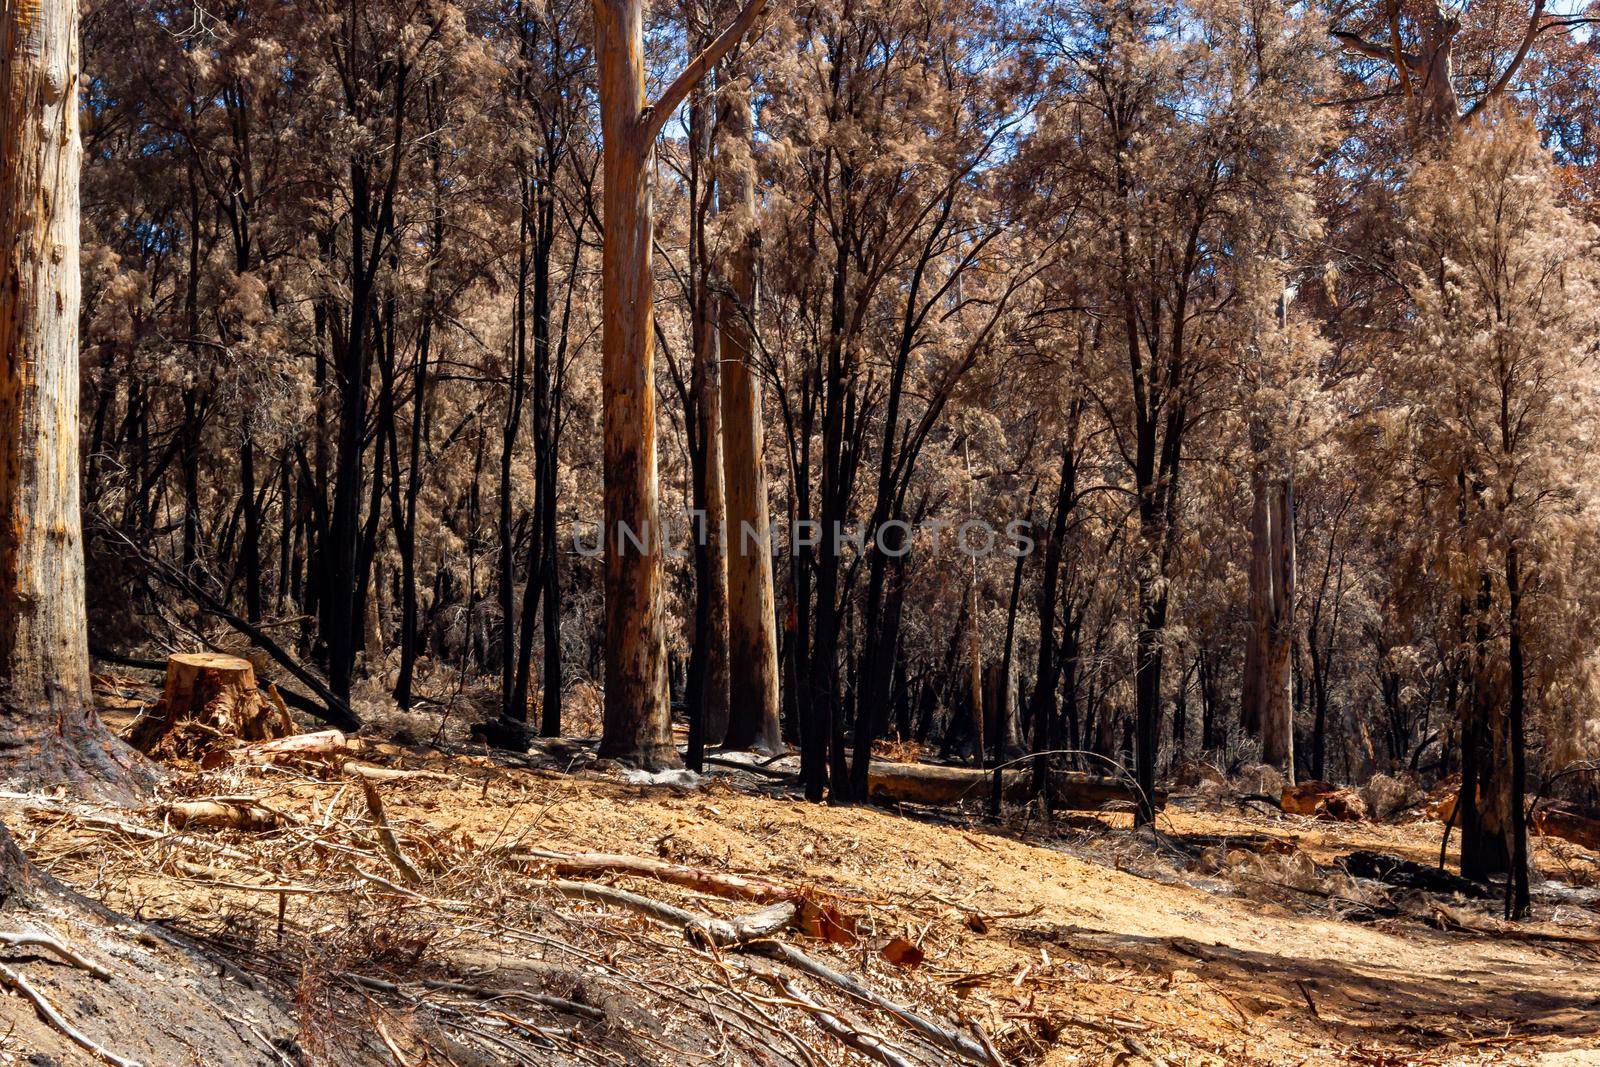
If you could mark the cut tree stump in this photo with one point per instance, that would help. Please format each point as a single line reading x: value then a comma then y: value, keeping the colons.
x: 1322, y: 800
x: 209, y: 698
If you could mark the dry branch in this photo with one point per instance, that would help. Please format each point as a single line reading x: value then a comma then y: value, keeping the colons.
x: 713, y: 883
x: 939, y: 1035
x: 386, y: 838
x: 865, y: 1042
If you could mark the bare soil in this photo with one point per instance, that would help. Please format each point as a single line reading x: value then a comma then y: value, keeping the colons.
x: 1083, y: 942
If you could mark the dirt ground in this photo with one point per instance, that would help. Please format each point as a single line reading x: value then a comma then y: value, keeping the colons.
x: 1078, y: 943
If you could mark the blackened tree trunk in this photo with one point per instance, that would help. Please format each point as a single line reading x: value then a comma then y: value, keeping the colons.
x: 708, y: 652
x: 1277, y: 707
x: 1483, y: 805
x: 1517, y: 898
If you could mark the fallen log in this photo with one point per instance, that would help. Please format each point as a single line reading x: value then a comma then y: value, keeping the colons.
x: 391, y: 774
x: 926, y: 783
x: 220, y: 815
x: 1409, y: 874
x: 1567, y: 823
x: 321, y: 743
x: 1323, y: 800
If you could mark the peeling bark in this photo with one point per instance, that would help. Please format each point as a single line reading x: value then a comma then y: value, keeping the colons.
x: 49, y: 733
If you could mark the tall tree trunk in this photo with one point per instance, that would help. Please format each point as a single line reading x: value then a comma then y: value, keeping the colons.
x: 637, y: 723
x: 708, y: 654
x: 1252, y: 682
x: 753, y: 721
x: 49, y: 731
x: 1277, y: 707
x: 1517, y: 898
x: 513, y: 698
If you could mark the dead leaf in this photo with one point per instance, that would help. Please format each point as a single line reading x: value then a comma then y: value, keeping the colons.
x: 902, y: 953
x: 826, y: 924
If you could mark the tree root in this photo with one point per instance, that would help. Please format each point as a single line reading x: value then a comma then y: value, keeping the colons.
x: 41, y: 1003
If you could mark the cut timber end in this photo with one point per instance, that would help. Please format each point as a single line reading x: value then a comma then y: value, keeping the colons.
x: 208, y: 698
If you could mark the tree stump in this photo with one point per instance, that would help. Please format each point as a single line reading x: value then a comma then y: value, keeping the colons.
x: 208, y: 698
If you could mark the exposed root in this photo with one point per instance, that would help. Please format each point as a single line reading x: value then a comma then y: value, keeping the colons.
x: 41, y: 1003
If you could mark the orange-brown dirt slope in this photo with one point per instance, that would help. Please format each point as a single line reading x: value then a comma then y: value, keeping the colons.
x: 445, y: 926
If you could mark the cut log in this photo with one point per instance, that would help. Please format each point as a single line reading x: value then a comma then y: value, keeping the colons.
x: 320, y: 743
x: 922, y: 783
x: 221, y: 815
x: 1569, y: 824
x: 208, y: 698
x: 1322, y: 800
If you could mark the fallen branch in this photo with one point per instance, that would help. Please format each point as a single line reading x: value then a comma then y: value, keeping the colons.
x: 604, y: 894
x: 386, y: 838
x: 700, y: 929
x: 57, y: 946
x: 743, y: 929
x: 50, y: 1015
x: 714, y: 883
x: 865, y: 1042
x: 948, y: 1039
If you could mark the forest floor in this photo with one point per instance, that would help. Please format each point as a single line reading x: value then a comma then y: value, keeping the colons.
x: 1228, y: 937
